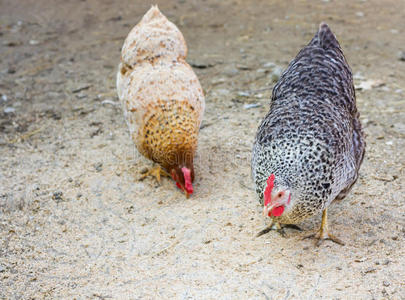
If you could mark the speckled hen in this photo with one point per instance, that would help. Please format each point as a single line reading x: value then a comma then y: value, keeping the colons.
x: 309, y: 147
x: 162, y: 99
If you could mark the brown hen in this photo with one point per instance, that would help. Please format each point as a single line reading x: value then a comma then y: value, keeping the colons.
x: 162, y: 99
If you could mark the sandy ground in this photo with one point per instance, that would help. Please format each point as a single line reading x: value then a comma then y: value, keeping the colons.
x: 76, y: 222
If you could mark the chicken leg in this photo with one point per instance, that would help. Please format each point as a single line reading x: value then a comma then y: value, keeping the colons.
x: 156, y: 172
x: 323, y: 233
x: 277, y: 227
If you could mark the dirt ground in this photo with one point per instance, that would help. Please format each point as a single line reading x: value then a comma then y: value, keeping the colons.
x: 75, y: 221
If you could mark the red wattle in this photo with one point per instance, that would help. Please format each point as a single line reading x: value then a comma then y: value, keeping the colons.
x: 189, y: 189
x: 277, y: 211
x: 187, y: 180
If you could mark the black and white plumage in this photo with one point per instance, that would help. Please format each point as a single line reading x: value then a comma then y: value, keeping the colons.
x: 311, y: 139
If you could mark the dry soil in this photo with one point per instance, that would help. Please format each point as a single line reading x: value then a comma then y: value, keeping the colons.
x: 76, y: 222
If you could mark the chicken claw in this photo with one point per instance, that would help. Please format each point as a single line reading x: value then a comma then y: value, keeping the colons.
x: 323, y: 232
x: 156, y: 172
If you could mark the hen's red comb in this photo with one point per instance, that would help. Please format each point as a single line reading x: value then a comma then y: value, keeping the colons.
x: 269, y: 188
x: 187, y: 180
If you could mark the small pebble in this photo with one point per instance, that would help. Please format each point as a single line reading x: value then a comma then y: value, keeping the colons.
x: 251, y: 105
x: 401, y: 55
x: 370, y: 270
x: 2, y: 269
x: 269, y: 65
x: 98, y: 167
x: 243, y: 94
x: 4, y: 98
x: 358, y: 76
x: 9, y: 110
x: 243, y: 67
x: 110, y: 136
x: 386, y: 283
x: 81, y: 96
x: 360, y: 14
x: 276, y: 74
x: 57, y: 196
x: 361, y: 259
x: 274, y: 77
x: 34, y: 42
x: 108, y: 101
x: 218, y: 80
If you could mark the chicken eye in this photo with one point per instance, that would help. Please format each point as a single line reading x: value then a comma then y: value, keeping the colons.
x: 280, y: 194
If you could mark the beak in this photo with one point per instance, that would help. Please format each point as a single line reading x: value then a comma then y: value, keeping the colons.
x: 267, y: 209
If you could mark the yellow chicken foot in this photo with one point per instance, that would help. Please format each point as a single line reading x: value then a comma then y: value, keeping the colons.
x: 156, y: 172
x: 323, y: 232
